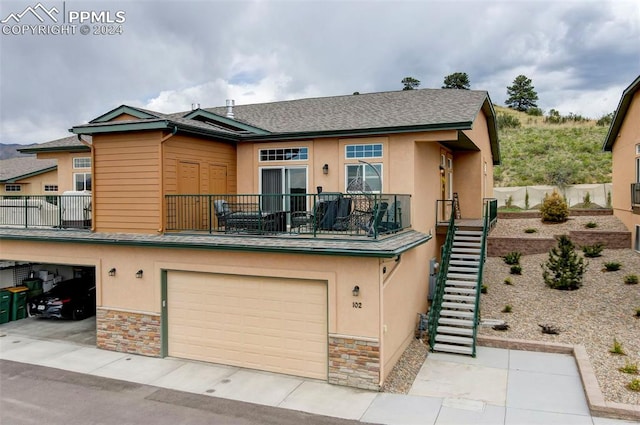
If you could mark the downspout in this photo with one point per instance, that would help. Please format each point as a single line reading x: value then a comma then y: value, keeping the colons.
x: 162, y: 203
x: 382, y: 331
x: 93, y: 180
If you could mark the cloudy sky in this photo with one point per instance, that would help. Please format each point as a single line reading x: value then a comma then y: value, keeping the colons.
x: 580, y: 54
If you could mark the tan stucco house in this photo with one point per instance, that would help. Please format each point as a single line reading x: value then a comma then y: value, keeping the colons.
x: 28, y: 175
x: 296, y: 237
x: 623, y: 141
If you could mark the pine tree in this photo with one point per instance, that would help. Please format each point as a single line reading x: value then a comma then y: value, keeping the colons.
x: 564, y: 268
x: 522, y: 95
x: 410, y: 83
x: 457, y: 80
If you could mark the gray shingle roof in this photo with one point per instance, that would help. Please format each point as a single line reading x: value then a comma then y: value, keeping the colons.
x: 422, y: 107
x: 15, y: 168
x: 70, y: 142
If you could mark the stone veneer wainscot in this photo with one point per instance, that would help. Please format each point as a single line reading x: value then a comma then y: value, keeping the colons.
x: 354, y: 362
x: 129, y: 332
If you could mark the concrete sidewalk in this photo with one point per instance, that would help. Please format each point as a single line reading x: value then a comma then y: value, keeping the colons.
x: 499, y: 386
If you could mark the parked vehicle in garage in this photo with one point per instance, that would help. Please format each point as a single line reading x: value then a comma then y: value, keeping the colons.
x: 73, y: 299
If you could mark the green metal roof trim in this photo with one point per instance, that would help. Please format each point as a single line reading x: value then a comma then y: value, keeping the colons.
x: 124, y: 109
x: 492, y: 123
x: 360, y: 132
x: 404, y: 242
x: 35, y: 173
x: 193, y: 115
x: 621, y: 112
x: 155, y: 124
x: 14, y: 169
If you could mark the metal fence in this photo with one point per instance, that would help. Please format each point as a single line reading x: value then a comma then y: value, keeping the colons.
x: 50, y: 211
x: 326, y: 213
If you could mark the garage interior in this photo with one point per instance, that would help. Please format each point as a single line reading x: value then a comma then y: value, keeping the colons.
x: 20, y: 281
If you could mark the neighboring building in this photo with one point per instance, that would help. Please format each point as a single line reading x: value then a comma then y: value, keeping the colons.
x: 623, y: 141
x: 272, y: 285
x: 28, y: 175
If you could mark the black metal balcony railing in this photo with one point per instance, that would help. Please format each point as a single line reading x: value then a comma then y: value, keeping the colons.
x: 310, y: 214
x: 51, y: 211
x: 635, y: 194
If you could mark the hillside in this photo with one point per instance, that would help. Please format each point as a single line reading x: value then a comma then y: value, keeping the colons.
x: 539, y: 152
x: 11, y: 150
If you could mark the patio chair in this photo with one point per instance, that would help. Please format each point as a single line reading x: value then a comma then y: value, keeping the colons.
x: 222, y: 211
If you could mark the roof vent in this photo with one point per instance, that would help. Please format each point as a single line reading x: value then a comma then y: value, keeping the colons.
x: 195, y: 106
x: 230, y: 104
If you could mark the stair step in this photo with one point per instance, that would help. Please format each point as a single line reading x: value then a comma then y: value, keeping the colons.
x: 462, y: 276
x: 452, y: 330
x: 468, y: 263
x: 462, y: 256
x: 468, y: 238
x: 460, y: 250
x: 456, y: 290
x: 455, y: 322
x: 457, y: 243
x: 458, y: 349
x: 454, y: 339
x: 465, y: 283
x: 461, y: 298
x: 458, y: 305
x: 456, y: 269
x: 468, y: 232
x: 456, y: 313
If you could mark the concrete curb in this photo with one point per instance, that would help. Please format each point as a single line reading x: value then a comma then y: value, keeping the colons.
x: 595, y: 399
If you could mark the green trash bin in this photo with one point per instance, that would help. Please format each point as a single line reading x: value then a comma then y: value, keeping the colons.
x: 19, y: 302
x: 5, y: 306
x: 34, y: 285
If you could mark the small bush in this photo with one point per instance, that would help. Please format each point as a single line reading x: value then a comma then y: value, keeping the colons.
x: 536, y: 112
x: 637, y: 315
x: 516, y: 269
x: 593, y: 251
x: 605, y: 120
x: 508, y: 281
x: 530, y: 230
x: 591, y: 225
x: 484, y: 289
x: 631, y: 279
x: 634, y: 385
x: 512, y: 258
x: 564, y: 268
x: 526, y: 199
x: 609, y: 199
x: 586, y: 200
x: 630, y: 368
x: 617, y: 348
x: 507, y: 121
x: 554, y: 209
x: 507, y: 309
x: 612, y: 266
x: 508, y: 203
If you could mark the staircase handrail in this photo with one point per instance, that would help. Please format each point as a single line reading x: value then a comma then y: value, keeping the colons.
x: 436, y: 303
x: 488, y: 220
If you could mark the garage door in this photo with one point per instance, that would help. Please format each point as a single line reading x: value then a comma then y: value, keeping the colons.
x: 278, y: 325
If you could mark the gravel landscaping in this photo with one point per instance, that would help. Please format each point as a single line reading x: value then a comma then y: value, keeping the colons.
x: 602, y: 310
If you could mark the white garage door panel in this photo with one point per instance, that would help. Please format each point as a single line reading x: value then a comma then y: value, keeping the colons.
x: 279, y: 325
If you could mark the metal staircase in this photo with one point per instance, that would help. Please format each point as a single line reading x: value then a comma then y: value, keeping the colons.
x: 454, y: 314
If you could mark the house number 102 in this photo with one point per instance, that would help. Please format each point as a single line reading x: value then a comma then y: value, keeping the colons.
x: 357, y: 304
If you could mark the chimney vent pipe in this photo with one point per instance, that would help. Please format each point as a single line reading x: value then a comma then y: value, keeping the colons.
x: 230, y: 104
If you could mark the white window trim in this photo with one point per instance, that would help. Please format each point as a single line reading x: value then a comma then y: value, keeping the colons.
x: 364, y: 167
x: 85, y: 180
x: 364, y: 144
x: 282, y: 160
x: 638, y: 149
x: 83, y: 158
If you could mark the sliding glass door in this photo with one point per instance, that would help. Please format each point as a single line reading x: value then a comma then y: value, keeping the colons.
x: 286, y: 188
